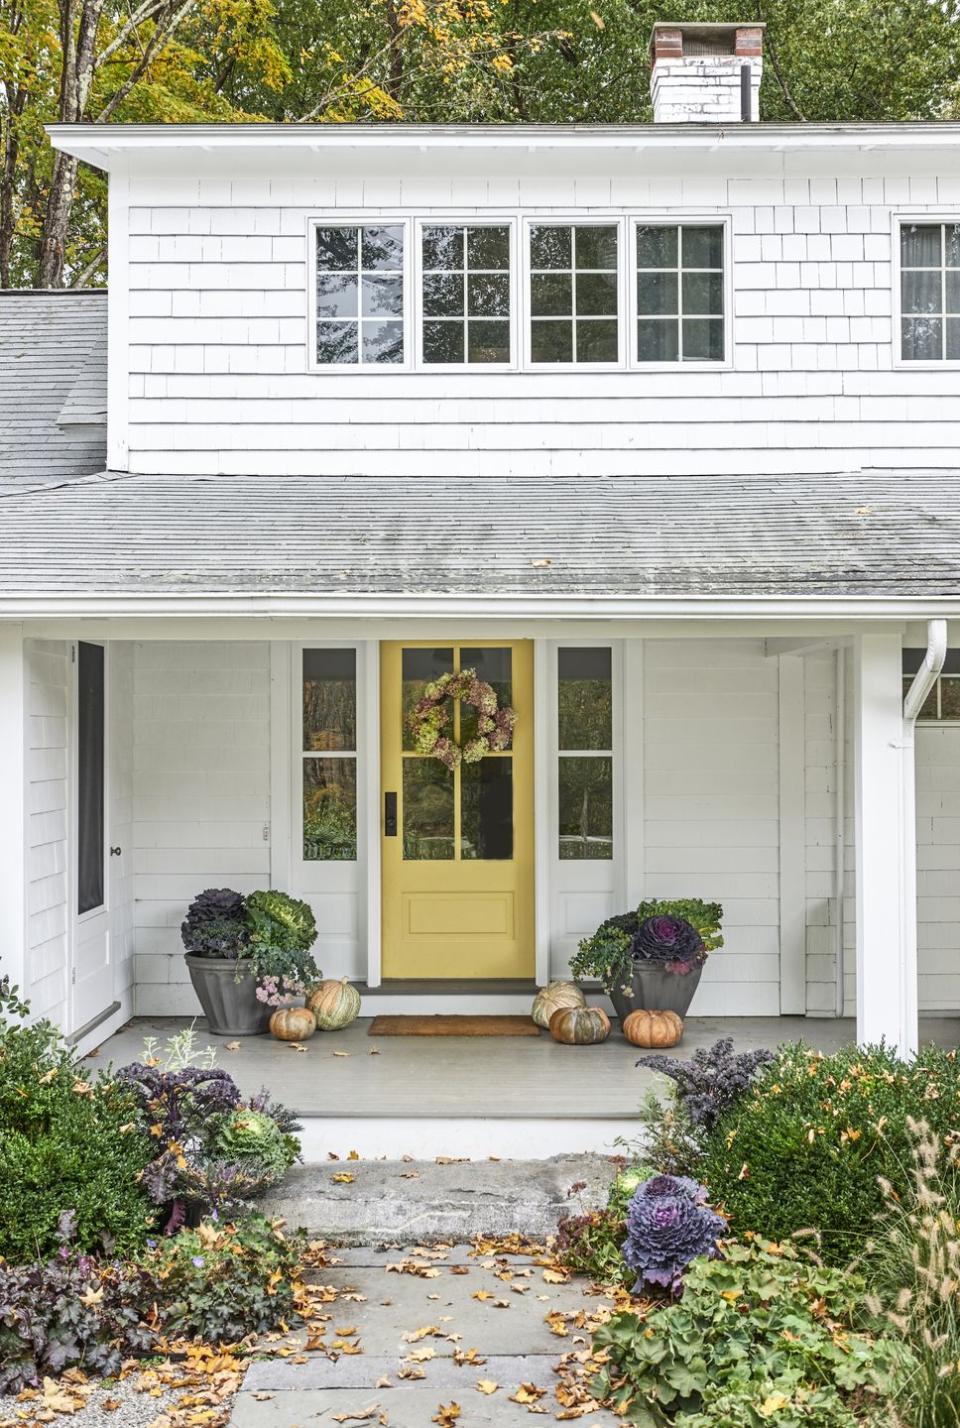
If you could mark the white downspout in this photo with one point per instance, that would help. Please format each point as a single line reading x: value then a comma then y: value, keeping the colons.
x: 914, y: 700
x: 839, y: 824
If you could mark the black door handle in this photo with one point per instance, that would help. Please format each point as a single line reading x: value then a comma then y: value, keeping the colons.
x: 390, y: 815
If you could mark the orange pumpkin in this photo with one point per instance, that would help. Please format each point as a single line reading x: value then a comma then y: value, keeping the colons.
x: 653, y: 1028
x: 579, y: 1026
x: 293, y: 1023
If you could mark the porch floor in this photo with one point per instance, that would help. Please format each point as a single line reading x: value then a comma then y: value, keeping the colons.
x: 338, y: 1076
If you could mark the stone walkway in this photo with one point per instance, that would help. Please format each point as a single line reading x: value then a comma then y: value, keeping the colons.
x: 413, y: 1337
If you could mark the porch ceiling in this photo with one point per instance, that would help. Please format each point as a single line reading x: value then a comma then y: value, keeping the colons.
x: 887, y: 534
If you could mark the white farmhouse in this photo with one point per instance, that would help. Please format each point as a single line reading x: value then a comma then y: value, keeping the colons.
x: 656, y: 426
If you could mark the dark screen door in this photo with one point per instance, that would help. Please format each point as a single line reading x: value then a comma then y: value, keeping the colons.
x: 90, y: 790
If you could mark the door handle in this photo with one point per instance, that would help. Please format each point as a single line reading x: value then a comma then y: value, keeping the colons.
x: 390, y: 815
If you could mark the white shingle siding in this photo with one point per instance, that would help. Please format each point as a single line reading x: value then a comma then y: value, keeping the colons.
x: 219, y: 326
x: 47, y: 773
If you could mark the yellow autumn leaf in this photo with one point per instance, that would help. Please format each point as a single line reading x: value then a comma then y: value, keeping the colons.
x: 486, y: 1385
x: 772, y: 1404
x: 343, y: 1178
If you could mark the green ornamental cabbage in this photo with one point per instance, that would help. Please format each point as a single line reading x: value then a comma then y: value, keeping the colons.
x: 280, y: 921
x: 254, y: 1141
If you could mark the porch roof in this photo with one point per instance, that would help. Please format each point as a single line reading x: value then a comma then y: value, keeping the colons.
x: 890, y: 535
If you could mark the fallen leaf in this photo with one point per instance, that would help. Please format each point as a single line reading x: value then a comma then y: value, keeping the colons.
x: 410, y: 1371
x: 447, y: 1414
x: 353, y: 1155
x: 527, y: 1393
x: 343, y: 1177
x: 263, y: 1397
x: 482, y: 1294
x: 421, y: 1356
x: 341, y: 1053
x: 232, y: 1046
x: 426, y: 1331
x: 295, y: 1046
x: 555, y: 1276
x: 486, y: 1385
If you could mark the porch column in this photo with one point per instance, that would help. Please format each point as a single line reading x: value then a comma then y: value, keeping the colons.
x: 13, y: 830
x: 886, y: 849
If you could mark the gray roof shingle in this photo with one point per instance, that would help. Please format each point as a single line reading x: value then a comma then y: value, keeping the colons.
x: 53, y: 386
x: 882, y: 534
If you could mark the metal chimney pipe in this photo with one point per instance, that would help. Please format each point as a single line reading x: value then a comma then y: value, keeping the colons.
x: 746, y: 94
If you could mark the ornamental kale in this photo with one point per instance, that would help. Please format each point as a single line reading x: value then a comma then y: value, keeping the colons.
x: 712, y: 1080
x: 668, y: 1225
x: 216, y: 924
x: 606, y: 955
x: 672, y: 942
x: 280, y: 921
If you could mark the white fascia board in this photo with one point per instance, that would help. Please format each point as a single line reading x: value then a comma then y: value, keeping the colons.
x: 106, y: 146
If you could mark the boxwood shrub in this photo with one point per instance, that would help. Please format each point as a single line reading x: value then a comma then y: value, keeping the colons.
x: 804, y: 1147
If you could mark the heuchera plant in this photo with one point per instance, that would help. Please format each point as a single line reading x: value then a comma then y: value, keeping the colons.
x: 672, y: 942
x: 668, y: 1225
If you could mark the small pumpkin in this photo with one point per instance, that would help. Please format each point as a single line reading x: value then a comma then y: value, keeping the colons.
x: 653, y: 1028
x: 579, y: 1026
x: 334, y: 1004
x: 554, y: 996
x: 293, y: 1023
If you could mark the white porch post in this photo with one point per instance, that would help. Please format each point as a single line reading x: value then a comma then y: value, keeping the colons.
x: 885, y: 849
x: 13, y: 813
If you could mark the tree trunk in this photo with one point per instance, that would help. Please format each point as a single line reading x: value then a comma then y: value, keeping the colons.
x: 8, y: 200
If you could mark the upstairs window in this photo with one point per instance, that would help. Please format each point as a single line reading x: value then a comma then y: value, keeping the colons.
x: 465, y: 294
x: 359, y: 294
x: 574, y: 293
x: 930, y: 292
x: 680, y: 292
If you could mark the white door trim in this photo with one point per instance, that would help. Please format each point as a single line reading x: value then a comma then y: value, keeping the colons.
x: 76, y: 921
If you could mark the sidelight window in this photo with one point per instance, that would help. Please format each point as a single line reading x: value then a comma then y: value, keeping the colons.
x: 329, y: 755
x: 585, y: 752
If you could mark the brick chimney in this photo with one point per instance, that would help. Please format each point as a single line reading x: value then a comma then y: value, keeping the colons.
x: 706, y: 74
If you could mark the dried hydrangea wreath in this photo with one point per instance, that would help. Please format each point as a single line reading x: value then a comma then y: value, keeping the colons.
x: 430, y: 716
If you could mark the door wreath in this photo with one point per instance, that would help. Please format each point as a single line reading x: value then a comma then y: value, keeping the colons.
x: 428, y: 719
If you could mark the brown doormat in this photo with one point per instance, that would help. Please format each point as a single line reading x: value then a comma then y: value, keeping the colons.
x: 453, y: 1026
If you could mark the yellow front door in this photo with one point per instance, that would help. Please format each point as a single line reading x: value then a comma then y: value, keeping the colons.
x: 457, y: 844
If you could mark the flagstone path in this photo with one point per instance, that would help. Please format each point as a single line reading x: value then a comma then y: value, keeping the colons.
x: 457, y: 1336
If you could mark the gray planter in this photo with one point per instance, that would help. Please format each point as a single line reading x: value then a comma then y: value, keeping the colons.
x: 655, y: 989
x: 230, y: 1006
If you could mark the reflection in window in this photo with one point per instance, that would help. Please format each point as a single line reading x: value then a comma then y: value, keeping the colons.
x: 359, y: 294
x: 930, y: 292
x: 466, y: 294
x: 329, y: 784
x: 486, y: 809
x: 573, y: 293
x: 680, y: 293
x: 585, y: 744
x: 428, y: 810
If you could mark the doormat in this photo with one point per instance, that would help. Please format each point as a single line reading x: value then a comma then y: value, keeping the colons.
x: 453, y: 1026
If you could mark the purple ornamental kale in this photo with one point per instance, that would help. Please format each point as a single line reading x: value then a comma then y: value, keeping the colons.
x: 668, y: 1225
x: 672, y: 942
x: 712, y: 1080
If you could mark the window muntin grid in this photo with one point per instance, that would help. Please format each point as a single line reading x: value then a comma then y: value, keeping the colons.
x: 930, y: 292
x: 359, y: 294
x: 680, y: 297
x: 465, y: 294
x: 574, y: 293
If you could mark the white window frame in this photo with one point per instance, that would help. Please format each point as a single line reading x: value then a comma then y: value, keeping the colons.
x: 671, y: 220
x: 319, y: 877
x: 354, y: 220
x: 459, y: 220
x: 906, y: 364
x: 592, y: 219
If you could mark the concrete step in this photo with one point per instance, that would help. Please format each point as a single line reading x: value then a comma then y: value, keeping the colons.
x: 409, y: 1202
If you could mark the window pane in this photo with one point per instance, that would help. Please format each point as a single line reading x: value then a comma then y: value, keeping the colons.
x: 952, y: 292
x: 921, y: 292
x: 443, y: 248
x: 329, y: 699
x: 656, y: 247
x: 495, y: 667
x: 90, y: 775
x: 486, y: 809
x: 443, y: 294
x: 658, y: 341
x: 584, y: 698
x: 922, y: 338
x: 702, y: 247
x: 586, y: 808
x: 951, y: 236
x: 702, y: 293
x: 551, y: 294
x: 488, y: 341
x: 949, y: 697
x: 427, y: 811
x: 920, y: 245
x: 383, y: 341
x: 443, y: 341
x: 488, y: 295
x: 488, y: 248
x: 657, y: 293
x: 381, y: 248
x: 702, y: 339
x: 551, y: 247
x: 329, y: 810
x: 596, y: 293
x: 420, y: 667
x: 551, y: 341
x: 382, y: 297
x: 337, y: 295
x: 597, y: 340
x: 596, y: 247
x: 337, y: 342
x: 337, y: 249
x: 953, y: 339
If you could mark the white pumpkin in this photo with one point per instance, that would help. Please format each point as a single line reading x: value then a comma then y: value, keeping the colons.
x: 554, y: 996
x: 334, y: 1004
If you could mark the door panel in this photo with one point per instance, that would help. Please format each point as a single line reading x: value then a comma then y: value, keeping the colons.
x: 458, y: 855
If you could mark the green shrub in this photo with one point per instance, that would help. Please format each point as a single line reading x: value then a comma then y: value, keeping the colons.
x: 220, y: 1282
x: 761, y: 1336
x: 67, y: 1143
x: 806, y: 1145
